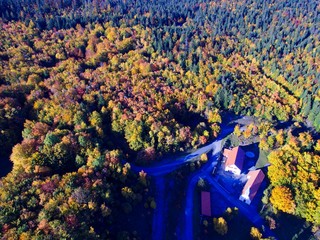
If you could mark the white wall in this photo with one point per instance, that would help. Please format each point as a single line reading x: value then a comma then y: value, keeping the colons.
x: 233, y: 168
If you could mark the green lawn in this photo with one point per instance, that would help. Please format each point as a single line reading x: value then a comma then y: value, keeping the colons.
x: 263, y: 159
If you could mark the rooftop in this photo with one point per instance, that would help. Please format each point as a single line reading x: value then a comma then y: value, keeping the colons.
x: 255, y: 179
x: 235, y: 156
x: 205, y: 204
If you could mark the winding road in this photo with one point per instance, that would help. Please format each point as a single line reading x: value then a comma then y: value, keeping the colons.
x: 158, y: 171
x: 204, y: 173
x: 166, y: 166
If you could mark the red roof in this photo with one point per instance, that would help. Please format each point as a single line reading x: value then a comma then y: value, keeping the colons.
x: 235, y: 156
x: 255, y: 179
x: 205, y: 204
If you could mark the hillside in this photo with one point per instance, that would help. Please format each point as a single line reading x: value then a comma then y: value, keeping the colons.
x: 86, y: 85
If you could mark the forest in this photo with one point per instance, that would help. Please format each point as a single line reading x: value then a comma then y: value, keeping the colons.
x: 85, y: 85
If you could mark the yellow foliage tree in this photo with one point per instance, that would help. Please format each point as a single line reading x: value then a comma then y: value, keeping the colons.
x: 237, y: 130
x: 214, y: 117
x: 247, y: 133
x: 220, y: 225
x: 280, y: 138
x: 263, y: 145
x: 255, y: 233
x: 317, y: 146
x: 21, y: 156
x: 204, y: 157
x: 281, y: 199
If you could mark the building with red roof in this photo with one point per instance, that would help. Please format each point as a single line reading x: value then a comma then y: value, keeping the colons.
x: 235, y: 159
x: 255, y: 178
x: 206, y: 204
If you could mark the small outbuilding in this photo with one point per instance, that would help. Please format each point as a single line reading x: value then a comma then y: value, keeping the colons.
x: 234, y: 160
x: 252, y: 186
x: 206, y: 204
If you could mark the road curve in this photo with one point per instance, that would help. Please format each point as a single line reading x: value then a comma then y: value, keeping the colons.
x: 168, y: 165
x: 201, y: 173
x: 159, y: 170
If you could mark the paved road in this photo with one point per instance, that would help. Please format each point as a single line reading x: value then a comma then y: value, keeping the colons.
x: 169, y: 165
x: 206, y: 173
x: 158, y: 226
x: 158, y: 171
x: 166, y: 167
x: 193, y: 180
x: 249, y: 211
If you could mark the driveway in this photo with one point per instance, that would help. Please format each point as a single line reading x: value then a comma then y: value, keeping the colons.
x: 159, y: 170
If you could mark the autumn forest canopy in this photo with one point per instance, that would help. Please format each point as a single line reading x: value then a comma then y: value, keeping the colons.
x: 87, y: 85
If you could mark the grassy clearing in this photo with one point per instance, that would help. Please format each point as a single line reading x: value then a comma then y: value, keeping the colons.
x: 263, y: 159
x: 230, y: 140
